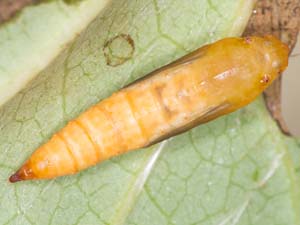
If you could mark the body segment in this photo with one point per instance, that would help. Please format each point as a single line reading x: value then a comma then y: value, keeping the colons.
x: 212, y: 81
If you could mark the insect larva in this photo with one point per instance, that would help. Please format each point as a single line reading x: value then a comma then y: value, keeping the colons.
x: 212, y: 81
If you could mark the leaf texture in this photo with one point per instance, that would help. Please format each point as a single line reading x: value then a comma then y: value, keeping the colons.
x: 35, y: 36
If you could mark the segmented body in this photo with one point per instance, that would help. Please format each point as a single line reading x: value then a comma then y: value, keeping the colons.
x: 212, y: 81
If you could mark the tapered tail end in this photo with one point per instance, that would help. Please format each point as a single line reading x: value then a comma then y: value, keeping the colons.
x: 15, y: 178
x: 24, y: 173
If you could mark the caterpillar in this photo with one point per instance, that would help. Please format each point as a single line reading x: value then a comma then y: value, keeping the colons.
x: 212, y: 81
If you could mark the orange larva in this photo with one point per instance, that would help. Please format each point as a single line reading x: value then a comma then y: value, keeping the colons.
x: 212, y: 81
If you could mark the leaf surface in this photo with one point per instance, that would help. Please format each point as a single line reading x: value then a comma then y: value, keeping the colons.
x: 235, y: 170
x: 35, y: 36
x: 293, y: 145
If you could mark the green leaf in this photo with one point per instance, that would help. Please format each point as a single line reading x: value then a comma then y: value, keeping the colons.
x: 235, y: 170
x: 293, y: 145
x: 32, y: 39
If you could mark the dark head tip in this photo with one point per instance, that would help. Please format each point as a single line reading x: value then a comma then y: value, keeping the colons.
x: 15, y: 178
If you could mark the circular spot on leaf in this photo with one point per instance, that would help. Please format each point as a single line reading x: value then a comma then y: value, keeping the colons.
x: 118, y: 50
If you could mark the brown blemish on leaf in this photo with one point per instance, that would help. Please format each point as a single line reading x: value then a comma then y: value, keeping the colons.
x: 118, y: 50
x: 280, y: 18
